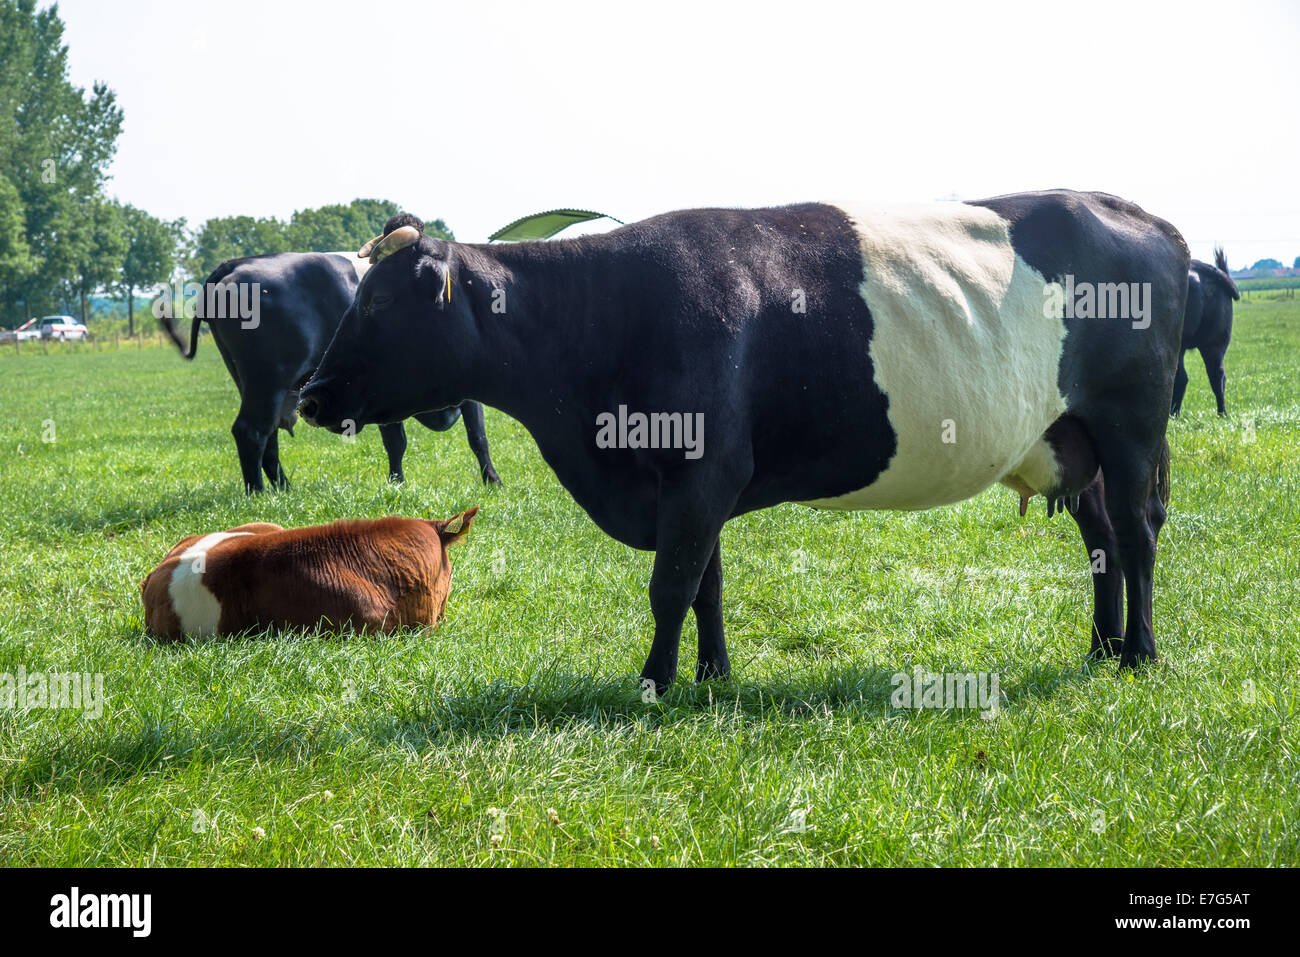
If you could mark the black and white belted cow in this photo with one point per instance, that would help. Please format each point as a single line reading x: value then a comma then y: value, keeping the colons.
x: 300, y: 298
x: 701, y: 364
x: 1207, y: 326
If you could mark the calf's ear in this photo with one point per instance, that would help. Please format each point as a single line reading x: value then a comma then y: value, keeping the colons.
x: 453, y: 529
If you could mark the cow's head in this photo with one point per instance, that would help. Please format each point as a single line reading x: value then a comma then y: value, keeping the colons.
x: 395, y: 352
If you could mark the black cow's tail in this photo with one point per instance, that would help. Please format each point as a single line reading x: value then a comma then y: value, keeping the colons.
x: 169, y: 324
x: 169, y: 327
x: 1221, y: 264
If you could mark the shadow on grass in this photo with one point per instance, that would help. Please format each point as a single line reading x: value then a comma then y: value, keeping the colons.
x: 125, y: 516
x: 551, y: 702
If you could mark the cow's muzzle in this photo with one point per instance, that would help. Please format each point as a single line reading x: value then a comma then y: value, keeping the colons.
x: 309, y: 409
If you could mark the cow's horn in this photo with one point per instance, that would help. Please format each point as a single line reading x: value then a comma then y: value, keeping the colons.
x: 364, y: 251
x: 399, y: 238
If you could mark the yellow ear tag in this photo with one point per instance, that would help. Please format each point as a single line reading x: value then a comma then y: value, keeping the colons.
x: 453, y: 527
x: 449, y: 284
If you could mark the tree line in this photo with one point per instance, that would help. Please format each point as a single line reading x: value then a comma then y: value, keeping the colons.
x: 63, y: 239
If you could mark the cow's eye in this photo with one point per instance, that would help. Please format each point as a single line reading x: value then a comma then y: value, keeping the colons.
x: 379, y: 301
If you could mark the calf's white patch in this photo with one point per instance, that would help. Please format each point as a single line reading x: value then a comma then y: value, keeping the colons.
x: 196, y: 607
x: 963, y: 352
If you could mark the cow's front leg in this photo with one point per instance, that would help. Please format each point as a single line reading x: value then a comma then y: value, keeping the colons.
x: 271, y: 461
x: 686, y: 542
x: 712, y: 661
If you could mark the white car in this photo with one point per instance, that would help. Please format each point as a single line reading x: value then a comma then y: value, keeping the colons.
x: 63, y: 328
x: 27, y: 331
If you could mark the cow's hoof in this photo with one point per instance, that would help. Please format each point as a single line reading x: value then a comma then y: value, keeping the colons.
x: 490, y: 477
x: 1108, y: 648
x: 652, y: 689
x: 712, y: 670
x: 396, y: 478
x: 1136, y: 657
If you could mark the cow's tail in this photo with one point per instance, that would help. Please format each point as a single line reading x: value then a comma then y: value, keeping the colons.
x: 169, y: 324
x: 1221, y: 264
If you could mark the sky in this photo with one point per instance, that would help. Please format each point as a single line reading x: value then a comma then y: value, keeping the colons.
x: 480, y: 112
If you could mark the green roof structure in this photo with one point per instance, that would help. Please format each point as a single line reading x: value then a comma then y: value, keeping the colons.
x: 545, y: 225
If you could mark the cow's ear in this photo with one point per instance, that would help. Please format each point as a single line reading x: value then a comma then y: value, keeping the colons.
x: 453, y: 529
x: 435, y: 274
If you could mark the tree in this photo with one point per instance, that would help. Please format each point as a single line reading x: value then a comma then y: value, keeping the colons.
x: 325, y: 229
x: 1296, y: 264
x: 230, y: 237
x: 97, y: 244
x: 339, y: 228
x: 150, y: 255
x: 16, y: 262
x: 1266, y: 264
x: 56, y: 142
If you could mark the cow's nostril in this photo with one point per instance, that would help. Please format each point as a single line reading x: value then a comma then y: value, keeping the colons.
x: 308, y: 408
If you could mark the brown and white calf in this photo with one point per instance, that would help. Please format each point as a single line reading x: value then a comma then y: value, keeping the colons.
x: 372, y: 575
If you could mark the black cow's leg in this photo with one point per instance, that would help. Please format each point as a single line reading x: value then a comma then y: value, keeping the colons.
x: 1212, y: 356
x: 687, y: 538
x: 712, y: 661
x: 478, y: 441
x: 474, y: 430
x: 271, y: 461
x: 1130, y: 488
x: 394, y: 437
x: 1180, y: 386
x: 255, y: 423
x: 1107, y: 571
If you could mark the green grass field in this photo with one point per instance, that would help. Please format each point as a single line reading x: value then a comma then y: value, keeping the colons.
x: 515, y: 734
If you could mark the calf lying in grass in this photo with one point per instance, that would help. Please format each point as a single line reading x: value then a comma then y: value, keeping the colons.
x: 373, y: 575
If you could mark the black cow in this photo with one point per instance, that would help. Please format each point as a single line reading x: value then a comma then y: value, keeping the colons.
x: 687, y: 369
x: 1207, y: 325
x: 270, y: 354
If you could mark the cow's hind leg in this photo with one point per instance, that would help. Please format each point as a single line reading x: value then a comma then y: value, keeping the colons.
x: 1180, y: 386
x: 712, y: 661
x: 394, y: 438
x: 1212, y: 356
x: 1107, y: 571
x: 476, y: 431
x: 687, y: 530
x: 254, y: 426
x: 1136, y: 513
